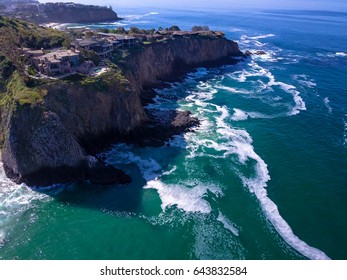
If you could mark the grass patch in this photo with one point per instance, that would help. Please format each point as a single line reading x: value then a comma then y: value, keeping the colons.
x: 108, y: 81
x: 20, y: 93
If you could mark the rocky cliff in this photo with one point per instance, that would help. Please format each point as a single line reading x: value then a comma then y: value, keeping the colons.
x: 166, y: 61
x: 76, y: 13
x: 59, y: 12
x: 49, y: 141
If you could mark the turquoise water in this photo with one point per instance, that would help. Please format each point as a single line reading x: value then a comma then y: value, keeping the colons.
x: 263, y: 177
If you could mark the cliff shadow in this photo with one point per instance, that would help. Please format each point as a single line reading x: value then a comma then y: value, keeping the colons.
x: 145, y: 154
x: 143, y: 164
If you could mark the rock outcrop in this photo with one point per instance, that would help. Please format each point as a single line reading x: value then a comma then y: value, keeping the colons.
x: 50, y: 141
x: 167, y: 61
x: 61, y: 12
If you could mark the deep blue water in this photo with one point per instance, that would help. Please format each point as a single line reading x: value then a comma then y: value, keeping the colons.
x: 264, y: 177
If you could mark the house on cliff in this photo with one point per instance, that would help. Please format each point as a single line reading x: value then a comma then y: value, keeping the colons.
x: 104, y: 43
x: 124, y: 41
x: 56, y: 63
x: 103, y: 48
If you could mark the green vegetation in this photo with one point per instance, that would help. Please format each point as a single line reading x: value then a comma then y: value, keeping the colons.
x: 14, y: 84
x: 6, y: 70
x: 17, y: 91
x: 29, y: 35
x: 200, y: 28
x: 111, y: 80
x: 18, y: 88
x: 89, y: 55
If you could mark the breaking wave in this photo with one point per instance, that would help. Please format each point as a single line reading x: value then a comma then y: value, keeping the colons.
x: 238, y: 142
x: 327, y: 104
x: 14, y: 200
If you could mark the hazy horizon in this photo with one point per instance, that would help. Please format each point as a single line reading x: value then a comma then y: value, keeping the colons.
x: 336, y: 5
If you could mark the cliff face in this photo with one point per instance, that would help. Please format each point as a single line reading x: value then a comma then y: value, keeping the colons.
x: 60, y: 12
x: 62, y: 130
x: 56, y: 12
x: 168, y: 60
x: 52, y: 139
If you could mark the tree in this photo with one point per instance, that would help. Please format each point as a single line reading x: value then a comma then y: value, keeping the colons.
x: 120, y: 30
x: 104, y: 30
x: 134, y: 30
x: 174, y: 28
x: 89, y: 55
x: 9, y: 47
x: 67, y: 41
x: 200, y: 28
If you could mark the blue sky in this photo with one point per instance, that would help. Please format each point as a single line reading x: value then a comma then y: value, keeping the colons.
x: 338, y: 5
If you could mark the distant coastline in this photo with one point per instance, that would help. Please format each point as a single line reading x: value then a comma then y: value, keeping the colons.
x: 42, y: 13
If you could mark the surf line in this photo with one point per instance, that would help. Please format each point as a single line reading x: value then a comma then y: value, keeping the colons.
x: 242, y: 145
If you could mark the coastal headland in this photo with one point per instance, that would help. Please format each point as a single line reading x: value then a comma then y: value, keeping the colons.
x: 59, y: 107
x: 34, y: 11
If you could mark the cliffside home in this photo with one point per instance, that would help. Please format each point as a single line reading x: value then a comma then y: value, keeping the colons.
x: 102, y: 47
x: 104, y: 44
x: 56, y: 63
x: 124, y: 41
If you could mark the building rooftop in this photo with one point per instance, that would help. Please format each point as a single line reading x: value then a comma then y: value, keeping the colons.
x: 55, y: 57
x: 117, y: 36
x: 86, y: 43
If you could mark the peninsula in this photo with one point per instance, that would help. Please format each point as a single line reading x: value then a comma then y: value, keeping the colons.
x: 64, y: 95
x: 34, y: 11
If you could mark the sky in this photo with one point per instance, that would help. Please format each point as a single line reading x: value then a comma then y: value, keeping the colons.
x: 335, y: 5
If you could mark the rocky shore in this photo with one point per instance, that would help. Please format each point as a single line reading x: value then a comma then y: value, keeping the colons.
x: 54, y: 141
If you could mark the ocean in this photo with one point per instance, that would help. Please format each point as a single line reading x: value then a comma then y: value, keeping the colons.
x: 263, y: 177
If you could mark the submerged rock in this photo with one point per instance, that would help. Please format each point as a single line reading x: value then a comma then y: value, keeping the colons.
x: 101, y: 174
x: 163, y: 126
x: 260, y: 52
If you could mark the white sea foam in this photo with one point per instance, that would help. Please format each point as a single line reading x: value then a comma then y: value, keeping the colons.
x: 190, y: 196
x: 345, y: 131
x: 341, y: 54
x: 240, y: 115
x: 189, y: 199
x: 228, y: 224
x: 135, y: 17
x: 14, y: 200
x: 332, y: 55
x: 242, y: 143
x: 170, y: 171
x: 213, y: 243
x: 149, y: 168
x: 257, y: 71
x: 239, y: 142
x: 299, y: 102
x: 327, y: 104
x: 239, y: 76
x: 233, y: 90
x: 236, y: 29
x: 261, y: 36
x: 305, y: 80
